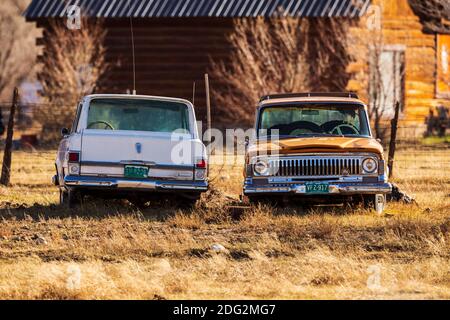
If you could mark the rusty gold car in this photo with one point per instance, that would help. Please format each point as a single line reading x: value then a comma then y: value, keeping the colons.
x: 315, y: 147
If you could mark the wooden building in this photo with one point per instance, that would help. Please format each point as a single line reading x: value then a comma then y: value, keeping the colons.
x: 175, y: 41
x: 414, y: 56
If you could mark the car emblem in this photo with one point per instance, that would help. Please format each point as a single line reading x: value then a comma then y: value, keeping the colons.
x: 138, y: 147
x: 345, y: 172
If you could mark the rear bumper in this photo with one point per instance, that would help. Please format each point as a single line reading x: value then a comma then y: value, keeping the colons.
x: 335, y: 188
x: 105, y: 183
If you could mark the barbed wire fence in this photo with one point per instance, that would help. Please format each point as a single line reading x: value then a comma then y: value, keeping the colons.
x: 38, y: 129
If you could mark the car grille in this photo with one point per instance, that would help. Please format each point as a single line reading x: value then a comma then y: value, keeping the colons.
x: 316, y: 166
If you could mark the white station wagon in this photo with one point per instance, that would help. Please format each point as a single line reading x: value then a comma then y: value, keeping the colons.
x: 134, y: 147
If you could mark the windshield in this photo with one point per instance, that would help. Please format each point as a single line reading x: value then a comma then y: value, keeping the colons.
x: 314, y: 120
x: 138, y: 115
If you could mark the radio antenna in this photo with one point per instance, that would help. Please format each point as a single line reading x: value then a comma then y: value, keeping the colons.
x: 132, y: 47
x: 193, y: 94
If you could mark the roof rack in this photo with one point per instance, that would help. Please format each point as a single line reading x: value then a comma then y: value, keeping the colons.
x: 311, y: 94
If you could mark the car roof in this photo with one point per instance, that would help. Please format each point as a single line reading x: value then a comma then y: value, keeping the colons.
x: 282, y: 101
x: 132, y: 96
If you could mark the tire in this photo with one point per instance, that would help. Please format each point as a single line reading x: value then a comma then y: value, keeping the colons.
x: 375, y: 202
x: 187, y: 201
x: 268, y: 201
x: 69, y: 198
x: 138, y: 202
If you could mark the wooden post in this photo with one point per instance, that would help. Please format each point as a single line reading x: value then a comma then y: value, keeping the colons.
x: 6, y: 168
x: 208, y: 108
x: 392, y: 143
x: 208, y: 117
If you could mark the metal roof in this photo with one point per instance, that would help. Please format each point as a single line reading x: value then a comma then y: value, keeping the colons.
x: 39, y: 9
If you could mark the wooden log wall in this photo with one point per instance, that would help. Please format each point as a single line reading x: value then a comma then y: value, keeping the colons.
x: 401, y: 27
x: 170, y: 55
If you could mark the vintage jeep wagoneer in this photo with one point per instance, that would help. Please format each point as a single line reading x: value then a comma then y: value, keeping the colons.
x: 315, y: 147
x: 132, y: 146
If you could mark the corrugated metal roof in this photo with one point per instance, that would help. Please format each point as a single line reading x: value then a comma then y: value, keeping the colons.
x: 198, y: 8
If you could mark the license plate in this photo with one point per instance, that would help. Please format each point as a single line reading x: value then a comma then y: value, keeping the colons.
x: 136, y: 172
x: 317, y: 188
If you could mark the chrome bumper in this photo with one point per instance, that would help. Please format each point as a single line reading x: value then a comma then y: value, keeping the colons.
x: 335, y: 188
x: 130, y: 184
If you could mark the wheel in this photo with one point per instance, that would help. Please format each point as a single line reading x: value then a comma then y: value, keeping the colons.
x: 268, y: 201
x: 139, y: 202
x: 376, y: 202
x: 187, y: 201
x: 69, y: 198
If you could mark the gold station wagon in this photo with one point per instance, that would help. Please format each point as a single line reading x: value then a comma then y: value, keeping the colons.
x: 315, y: 147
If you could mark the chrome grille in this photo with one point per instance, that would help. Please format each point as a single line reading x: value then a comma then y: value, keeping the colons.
x: 315, y: 166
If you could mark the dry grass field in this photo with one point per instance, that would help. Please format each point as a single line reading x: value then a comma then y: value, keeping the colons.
x: 112, y: 250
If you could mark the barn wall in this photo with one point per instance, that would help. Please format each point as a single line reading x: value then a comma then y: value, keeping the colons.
x: 401, y: 27
x: 170, y: 55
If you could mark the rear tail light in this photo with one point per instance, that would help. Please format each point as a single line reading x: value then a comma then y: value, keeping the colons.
x: 74, y: 163
x: 74, y: 157
x: 200, y: 170
x: 201, y: 164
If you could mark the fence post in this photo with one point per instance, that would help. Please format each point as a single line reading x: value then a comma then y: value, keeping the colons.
x: 392, y: 143
x: 6, y: 168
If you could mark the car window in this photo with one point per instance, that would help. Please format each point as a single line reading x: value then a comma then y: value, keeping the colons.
x: 138, y: 115
x: 77, y: 118
x: 315, y: 119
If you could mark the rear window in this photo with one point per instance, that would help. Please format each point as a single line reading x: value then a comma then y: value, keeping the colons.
x: 138, y: 115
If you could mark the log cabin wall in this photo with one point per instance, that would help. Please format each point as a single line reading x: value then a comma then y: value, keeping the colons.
x: 176, y: 39
x: 170, y: 55
x: 402, y: 30
x: 173, y: 49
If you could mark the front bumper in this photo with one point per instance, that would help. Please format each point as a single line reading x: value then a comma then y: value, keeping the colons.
x: 334, y: 188
x: 105, y: 183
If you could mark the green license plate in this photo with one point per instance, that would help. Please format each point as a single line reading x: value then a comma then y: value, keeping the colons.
x: 136, y: 172
x: 317, y: 188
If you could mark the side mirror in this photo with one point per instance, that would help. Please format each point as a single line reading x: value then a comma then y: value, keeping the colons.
x: 65, y: 132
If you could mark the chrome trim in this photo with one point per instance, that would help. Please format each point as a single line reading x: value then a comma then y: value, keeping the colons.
x: 315, y: 166
x: 112, y: 183
x: 151, y: 164
x: 312, y: 165
x: 334, y: 189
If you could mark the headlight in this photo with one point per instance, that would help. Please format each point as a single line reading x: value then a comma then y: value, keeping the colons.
x: 261, y: 168
x: 369, y: 165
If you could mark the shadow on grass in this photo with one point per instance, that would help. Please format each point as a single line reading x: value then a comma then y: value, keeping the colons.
x: 213, y: 208
x: 89, y: 209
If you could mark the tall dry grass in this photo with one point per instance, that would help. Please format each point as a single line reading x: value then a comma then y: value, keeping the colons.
x: 112, y: 250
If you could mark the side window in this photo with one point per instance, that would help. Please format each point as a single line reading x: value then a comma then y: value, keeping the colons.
x: 77, y: 118
x: 443, y: 66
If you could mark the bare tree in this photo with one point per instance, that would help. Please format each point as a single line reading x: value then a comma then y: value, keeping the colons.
x: 279, y: 55
x: 267, y: 58
x: 327, y: 53
x: 17, y: 50
x: 72, y: 65
x: 434, y: 14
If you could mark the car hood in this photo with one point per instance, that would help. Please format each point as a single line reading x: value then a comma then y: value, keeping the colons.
x: 316, y: 145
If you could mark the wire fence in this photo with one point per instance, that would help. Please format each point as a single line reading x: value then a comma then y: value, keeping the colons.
x: 39, y: 124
